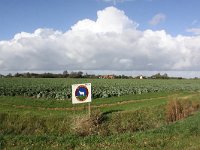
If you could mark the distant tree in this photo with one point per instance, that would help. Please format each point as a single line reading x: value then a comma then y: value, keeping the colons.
x: 65, y: 73
x: 165, y: 76
x: 27, y: 75
x: 80, y: 74
x: 90, y: 76
x: 9, y: 75
x: 124, y: 77
x: 73, y: 75
x: 18, y: 75
x: 159, y: 76
x: 156, y: 76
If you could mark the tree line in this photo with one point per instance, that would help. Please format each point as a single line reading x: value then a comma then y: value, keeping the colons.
x: 80, y: 74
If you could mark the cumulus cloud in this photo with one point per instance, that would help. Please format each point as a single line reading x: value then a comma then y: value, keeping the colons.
x: 108, y: 20
x: 112, y: 42
x: 157, y: 19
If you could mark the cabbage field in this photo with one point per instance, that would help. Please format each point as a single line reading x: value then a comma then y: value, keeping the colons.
x: 60, y: 88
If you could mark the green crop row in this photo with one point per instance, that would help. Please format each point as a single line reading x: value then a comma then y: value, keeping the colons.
x: 60, y: 88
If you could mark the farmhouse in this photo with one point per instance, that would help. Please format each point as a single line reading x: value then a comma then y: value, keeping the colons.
x: 107, y: 77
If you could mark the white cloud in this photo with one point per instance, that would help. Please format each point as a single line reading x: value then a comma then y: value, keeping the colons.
x: 157, y: 19
x: 112, y: 42
x: 195, y: 31
x: 108, y: 20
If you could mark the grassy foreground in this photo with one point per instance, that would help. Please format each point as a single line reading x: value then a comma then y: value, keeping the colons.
x: 138, y: 123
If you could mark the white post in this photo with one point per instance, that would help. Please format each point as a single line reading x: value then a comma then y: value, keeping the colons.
x: 89, y: 110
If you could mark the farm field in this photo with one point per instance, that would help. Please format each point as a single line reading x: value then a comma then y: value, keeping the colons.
x: 60, y: 88
x: 140, y: 116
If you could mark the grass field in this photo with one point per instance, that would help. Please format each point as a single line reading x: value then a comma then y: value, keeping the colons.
x: 139, y: 121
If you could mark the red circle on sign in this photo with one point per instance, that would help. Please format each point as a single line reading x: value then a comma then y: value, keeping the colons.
x: 81, y: 93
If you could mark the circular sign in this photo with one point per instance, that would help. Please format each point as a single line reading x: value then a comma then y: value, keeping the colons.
x: 81, y: 93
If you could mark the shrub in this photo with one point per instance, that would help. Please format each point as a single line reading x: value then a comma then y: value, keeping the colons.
x: 180, y: 108
x: 85, y: 125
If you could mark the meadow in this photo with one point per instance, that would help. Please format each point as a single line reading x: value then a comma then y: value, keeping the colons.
x: 125, y: 114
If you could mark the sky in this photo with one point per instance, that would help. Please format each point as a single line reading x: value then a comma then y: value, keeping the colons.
x: 120, y: 35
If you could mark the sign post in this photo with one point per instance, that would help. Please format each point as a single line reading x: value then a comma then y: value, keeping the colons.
x: 81, y: 93
x: 89, y: 110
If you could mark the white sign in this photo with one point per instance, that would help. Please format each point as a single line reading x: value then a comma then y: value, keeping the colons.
x: 81, y: 93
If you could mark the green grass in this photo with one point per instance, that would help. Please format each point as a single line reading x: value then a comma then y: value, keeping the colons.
x: 51, y: 103
x: 139, y: 123
x: 45, y: 107
x: 183, y: 134
x: 136, y: 105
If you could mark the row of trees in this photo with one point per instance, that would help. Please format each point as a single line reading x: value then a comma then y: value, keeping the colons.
x: 65, y: 74
x: 80, y: 74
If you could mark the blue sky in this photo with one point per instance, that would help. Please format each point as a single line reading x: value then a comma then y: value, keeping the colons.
x: 28, y: 15
x: 117, y: 35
